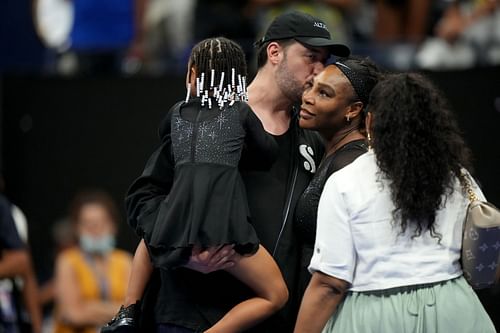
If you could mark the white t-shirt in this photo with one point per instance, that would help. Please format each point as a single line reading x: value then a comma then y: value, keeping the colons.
x: 357, y: 241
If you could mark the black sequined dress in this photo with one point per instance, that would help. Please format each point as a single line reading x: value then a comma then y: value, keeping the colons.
x: 306, y: 211
x: 207, y: 205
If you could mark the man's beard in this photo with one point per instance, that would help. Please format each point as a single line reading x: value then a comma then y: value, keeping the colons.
x: 288, y: 84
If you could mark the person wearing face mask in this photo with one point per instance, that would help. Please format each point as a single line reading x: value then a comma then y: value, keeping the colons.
x: 91, y: 278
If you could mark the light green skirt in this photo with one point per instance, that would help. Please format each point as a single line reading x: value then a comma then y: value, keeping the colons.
x: 449, y: 306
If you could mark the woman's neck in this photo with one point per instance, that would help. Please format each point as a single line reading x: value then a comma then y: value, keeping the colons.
x: 341, y: 138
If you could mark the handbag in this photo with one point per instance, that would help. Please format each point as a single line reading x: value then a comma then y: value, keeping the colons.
x: 481, y: 240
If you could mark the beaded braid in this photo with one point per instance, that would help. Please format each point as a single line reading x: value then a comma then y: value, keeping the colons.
x: 221, y: 68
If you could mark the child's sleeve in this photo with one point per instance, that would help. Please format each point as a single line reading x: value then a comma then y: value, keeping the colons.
x: 260, y: 149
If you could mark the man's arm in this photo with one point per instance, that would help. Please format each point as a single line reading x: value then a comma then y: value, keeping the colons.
x: 151, y: 188
x: 13, y: 263
x: 17, y: 263
x: 30, y: 297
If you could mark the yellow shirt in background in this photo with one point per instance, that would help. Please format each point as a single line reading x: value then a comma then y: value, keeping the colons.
x: 115, y: 282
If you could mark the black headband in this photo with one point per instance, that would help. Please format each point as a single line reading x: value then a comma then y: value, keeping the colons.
x: 361, y: 83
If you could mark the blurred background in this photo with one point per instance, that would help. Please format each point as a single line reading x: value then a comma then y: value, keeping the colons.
x: 84, y: 84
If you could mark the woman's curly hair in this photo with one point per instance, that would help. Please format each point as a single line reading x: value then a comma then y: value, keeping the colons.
x: 418, y: 146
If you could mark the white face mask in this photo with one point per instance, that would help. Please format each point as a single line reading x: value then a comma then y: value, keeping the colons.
x: 97, y: 245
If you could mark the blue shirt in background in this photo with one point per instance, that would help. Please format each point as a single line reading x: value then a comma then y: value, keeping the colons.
x: 101, y: 25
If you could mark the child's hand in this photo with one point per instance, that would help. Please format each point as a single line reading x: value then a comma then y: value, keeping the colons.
x: 212, y: 259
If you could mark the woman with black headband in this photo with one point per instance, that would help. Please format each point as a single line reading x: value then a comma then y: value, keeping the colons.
x: 333, y: 104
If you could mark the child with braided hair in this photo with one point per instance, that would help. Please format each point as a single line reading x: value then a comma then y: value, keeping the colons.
x: 206, y: 136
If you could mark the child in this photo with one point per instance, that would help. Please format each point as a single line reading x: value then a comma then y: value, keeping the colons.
x: 207, y: 204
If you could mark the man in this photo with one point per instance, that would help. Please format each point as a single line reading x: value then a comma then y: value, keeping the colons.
x: 293, y: 50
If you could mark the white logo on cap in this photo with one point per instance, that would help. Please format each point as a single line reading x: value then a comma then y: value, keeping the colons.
x: 320, y: 25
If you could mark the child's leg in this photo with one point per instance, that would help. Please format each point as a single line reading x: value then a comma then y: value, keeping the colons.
x: 140, y: 274
x: 261, y: 273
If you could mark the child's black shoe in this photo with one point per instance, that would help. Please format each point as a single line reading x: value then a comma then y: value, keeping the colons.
x: 125, y: 321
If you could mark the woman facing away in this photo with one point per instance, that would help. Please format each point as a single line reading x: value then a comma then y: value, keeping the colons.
x: 207, y: 204
x: 333, y: 105
x: 389, y: 233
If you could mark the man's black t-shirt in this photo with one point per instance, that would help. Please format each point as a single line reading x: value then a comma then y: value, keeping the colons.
x: 268, y: 186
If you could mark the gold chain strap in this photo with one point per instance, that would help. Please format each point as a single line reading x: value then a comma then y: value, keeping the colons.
x: 466, y: 183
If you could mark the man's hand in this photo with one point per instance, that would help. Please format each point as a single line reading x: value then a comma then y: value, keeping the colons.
x: 212, y: 259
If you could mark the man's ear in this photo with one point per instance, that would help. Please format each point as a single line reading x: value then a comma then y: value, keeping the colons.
x: 274, y: 52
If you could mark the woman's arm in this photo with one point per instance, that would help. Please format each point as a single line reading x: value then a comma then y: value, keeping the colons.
x: 73, y: 309
x: 323, y: 294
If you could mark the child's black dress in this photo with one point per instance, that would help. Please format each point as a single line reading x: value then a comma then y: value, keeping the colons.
x: 207, y: 205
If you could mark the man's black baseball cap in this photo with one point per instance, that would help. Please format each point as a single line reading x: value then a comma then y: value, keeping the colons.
x: 305, y: 29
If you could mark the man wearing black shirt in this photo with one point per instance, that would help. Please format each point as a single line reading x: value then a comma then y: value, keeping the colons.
x: 293, y: 50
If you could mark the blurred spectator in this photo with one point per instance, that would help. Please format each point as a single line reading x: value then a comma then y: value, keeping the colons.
x: 16, y: 314
x: 466, y: 34
x: 398, y: 26
x: 91, y: 278
x: 63, y: 236
x: 401, y: 20
x: 21, y: 50
x: 168, y: 35
x: 99, y: 37
x: 343, y: 18
x: 230, y: 19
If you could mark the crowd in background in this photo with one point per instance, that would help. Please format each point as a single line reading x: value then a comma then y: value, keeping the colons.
x: 89, y: 275
x: 154, y: 37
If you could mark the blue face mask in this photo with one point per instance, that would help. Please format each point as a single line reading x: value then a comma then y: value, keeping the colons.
x: 97, y: 245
